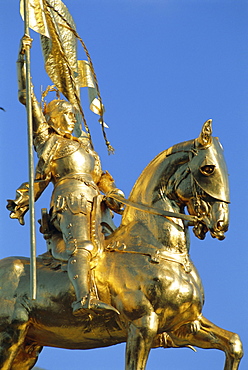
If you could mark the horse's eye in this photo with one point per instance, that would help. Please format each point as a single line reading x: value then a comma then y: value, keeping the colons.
x: 208, y: 169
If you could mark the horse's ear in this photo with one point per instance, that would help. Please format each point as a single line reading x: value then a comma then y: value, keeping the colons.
x: 206, y: 133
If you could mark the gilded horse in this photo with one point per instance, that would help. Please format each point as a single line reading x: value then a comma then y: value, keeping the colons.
x: 145, y: 271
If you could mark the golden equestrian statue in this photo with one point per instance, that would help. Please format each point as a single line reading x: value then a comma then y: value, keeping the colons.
x: 98, y: 285
x: 144, y: 272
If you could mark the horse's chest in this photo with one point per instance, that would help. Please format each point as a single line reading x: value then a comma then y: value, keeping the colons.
x: 179, y: 294
x: 182, y: 289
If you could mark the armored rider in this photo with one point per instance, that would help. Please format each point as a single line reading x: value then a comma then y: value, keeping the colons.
x: 74, y: 168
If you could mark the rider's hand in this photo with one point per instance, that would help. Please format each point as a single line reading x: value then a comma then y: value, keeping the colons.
x: 16, y: 212
x: 113, y: 204
x: 25, y: 43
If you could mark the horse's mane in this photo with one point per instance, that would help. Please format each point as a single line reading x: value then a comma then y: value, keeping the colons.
x: 161, y: 168
x: 156, y: 181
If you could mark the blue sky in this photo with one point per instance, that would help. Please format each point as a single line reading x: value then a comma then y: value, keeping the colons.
x: 164, y: 68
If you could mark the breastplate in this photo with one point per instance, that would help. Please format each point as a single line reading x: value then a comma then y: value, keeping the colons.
x: 71, y: 157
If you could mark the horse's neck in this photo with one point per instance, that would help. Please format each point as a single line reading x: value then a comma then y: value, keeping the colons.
x: 150, y: 189
x: 152, y: 184
x: 145, y: 187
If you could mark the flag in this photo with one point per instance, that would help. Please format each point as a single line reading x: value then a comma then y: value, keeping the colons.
x: 52, y: 20
x: 86, y: 79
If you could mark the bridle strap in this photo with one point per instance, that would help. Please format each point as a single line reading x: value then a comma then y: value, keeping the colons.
x: 155, y: 256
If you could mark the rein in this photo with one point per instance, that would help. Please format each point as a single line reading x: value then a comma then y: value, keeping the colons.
x: 155, y: 211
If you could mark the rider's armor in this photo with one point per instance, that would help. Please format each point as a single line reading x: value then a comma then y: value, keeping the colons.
x: 75, y: 170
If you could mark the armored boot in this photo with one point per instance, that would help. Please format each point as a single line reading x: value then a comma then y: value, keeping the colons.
x: 78, y: 272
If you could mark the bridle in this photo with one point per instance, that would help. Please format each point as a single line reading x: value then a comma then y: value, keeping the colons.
x: 201, y: 216
x: 192, y: 220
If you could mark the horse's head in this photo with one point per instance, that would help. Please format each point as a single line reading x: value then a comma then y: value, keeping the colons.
x: 191, y: 174
x: 204, y: 186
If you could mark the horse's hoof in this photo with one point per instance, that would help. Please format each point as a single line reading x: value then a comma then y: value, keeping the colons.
x: 91, y: 304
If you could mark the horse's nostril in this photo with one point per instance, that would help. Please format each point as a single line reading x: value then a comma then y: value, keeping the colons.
x: 220, y: 225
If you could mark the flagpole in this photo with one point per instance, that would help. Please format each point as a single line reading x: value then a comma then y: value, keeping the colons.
x: 33, y: 282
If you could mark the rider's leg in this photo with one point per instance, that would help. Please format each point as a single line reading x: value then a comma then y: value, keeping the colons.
x: 79, y: 274
x: 76, y: 233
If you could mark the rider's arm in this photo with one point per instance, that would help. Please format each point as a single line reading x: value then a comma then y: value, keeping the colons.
x: 39, y: 123
x: 20, y: 205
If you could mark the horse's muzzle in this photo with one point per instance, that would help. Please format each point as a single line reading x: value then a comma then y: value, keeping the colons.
x: 219, y: 230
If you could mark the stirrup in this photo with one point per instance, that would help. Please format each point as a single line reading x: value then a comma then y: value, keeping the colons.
x: 88, y: 303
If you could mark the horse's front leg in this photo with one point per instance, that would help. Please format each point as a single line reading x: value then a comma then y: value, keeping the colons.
x: 211, y: 336
x: 139, y: 341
